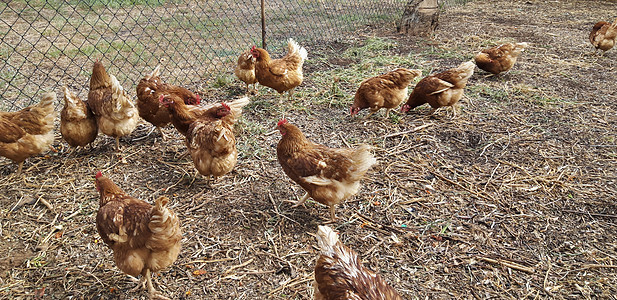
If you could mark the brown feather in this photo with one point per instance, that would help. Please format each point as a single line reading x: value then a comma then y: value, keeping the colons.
x: 280, y: 74
x: 499, y: 59
x: 149, y: 89
x: 340, y: 274
x: 442, y: 89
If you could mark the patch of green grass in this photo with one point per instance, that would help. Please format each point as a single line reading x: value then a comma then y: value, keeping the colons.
x: 445, y: 53
x: 488, y: 92
x: 373, y: 47
x: 94, y: 3
x: 545, y: 100
x: 223, y: 80
x: 5, y: 52
x: 131, y: 47
x: 248, y: 145
x: 395, y: 118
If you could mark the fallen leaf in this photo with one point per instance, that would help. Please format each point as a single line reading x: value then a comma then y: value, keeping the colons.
x: 199, y: 272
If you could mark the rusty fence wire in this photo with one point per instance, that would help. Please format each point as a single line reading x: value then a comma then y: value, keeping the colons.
x: 47, y: 43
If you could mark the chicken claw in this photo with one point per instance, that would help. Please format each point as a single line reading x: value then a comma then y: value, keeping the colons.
x: 141, y: 284
x: 301, y: 201
x: 154, y: 294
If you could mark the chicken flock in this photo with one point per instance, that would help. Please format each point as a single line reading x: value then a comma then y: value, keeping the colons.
x: 146, y: 238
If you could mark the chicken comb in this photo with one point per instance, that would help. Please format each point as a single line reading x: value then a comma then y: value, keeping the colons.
x: 254, y: 48
x: 225, y: 105
x: 281, y: 122
x: 98, y: 175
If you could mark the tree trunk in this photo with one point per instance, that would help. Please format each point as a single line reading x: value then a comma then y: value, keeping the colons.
x: 419, y: 18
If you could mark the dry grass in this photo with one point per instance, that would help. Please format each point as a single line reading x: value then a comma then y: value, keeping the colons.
x: 512, y: 199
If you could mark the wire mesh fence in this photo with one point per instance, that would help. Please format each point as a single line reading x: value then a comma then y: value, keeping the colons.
x: 48, y: 43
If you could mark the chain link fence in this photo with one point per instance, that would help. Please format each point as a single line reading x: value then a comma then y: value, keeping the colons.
x: 46, y: 44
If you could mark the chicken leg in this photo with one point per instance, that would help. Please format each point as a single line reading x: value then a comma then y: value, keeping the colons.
x: 291, y: 92
x: 19, y: 167
x: 117, y: 144
x: 333, y: 218
x: 160, y: 130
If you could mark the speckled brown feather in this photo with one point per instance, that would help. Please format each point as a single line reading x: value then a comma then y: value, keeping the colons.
x: 212, y: 145
x: 77, y: 123
x: 603, y: 35
x: 182, y: 116
x: 245, y: 68
x: 115, y: 113
x: 281, y: 74
x: 442, y: 89
x: 340, y: 275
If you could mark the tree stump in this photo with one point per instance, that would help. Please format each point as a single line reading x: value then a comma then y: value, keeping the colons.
x: 419, y: 18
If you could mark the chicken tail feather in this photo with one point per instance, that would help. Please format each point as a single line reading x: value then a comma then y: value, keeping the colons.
x: 363, y: 160
x: 154, y: 73
x: 237, y: 105
x: 293, y: 47
x: 326, y: 239
x: 69, y: 97
x: 163, y: 223
x: 47, y: 99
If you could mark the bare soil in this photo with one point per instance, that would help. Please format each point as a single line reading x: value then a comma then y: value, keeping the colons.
x: 513, y: 198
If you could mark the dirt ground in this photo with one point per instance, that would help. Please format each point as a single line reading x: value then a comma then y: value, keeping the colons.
x: 513, y: 198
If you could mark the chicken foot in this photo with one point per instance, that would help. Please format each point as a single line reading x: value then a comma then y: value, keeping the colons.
x: 369, y: 114
x: 388, y: 112
x: 154, y: 294
x: 301, y: 201
x: 333, y: 217
x: 141, y: 284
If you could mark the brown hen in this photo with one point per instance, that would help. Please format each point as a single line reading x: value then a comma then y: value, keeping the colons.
x: 143, y: 238
x: 27, y: 132
x: 340, y: 275
x: 245, y: 69
x: 115, y: 113
x: 149, y: 90
x: 282, y: 74
x: 603, y: 35
x: 499, y: 59
x: 328, y: 175
x: 383, y: 91
x: 77, y: 123
x: 442, y: 89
